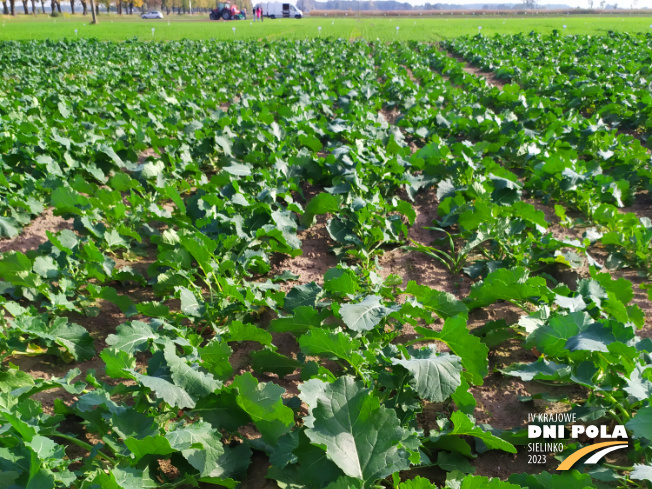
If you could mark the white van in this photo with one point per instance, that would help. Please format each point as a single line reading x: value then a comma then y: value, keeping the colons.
x: 280, y: 10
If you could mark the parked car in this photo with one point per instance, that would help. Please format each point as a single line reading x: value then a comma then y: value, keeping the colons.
x: 280, y: 10
x: 152, y: 15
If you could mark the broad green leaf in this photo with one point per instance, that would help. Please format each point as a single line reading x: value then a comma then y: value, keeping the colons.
x: 340, y: 282
x: 150, y: 445
x: 570, y: 479
x: 466, y: 346
x: 508, y: 284
x: 189, y: 377
x: 541, y: 369
x: 263, y: 403
x: 239, y: 331
x: 215, y: 358
x: 303, y: 319
x: 443, y: 304
x: 463, y: 426
x: 481, y: 482
x: 132, y: 337
x: 118, y: 363
x: 360, y: 436
x: 270, y: 361
x: 641, y: 424
x: 320, y: 204
x: 302, y: 296
x: 641, y: 473
x: 365, y: 315
x: 324, y: 342
x: 435, y: 376
x: 189, y: 303
x: 170, y: 393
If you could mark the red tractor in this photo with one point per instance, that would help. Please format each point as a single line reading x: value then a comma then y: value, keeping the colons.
x: 226, y: 11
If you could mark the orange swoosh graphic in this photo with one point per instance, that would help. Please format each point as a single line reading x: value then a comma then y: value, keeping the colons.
x: 570, y: 461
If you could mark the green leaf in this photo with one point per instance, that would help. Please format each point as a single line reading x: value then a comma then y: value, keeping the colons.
x: 170, y: 393
x: 641, y: 473
x: 302, y: 296
x: 435, y: 376
x: 443, y: 304
x: 466, y: 346
x: 189, y: 303
x: 264, y: 404
x: 215, y: 358
x: 450, y: 461
x: 340, y: 282
x: 189, y: 378
x: 542, y: 369
x: 641, y: 424
x: 267, y: 360
x: 417, y: 483
x: 463, y: 398
x: 360, y: 436
x: 201, y: 446
x: 118, y: 362
x: 239, y: 331
x: 481, y: 482
x: 512, y: 284
x: 323, y: 342
x: 132, y: 337
x: 72, y: 337
x: 320, y: 204
x: 463, y: 426
x: 312, y: 468
x: 42, y: 479
x: 365, y: 315
x: 8, y: 227
x: 551, y: 338
x: 150, y: 445
x: 303, y: 319
x: 570, y: 479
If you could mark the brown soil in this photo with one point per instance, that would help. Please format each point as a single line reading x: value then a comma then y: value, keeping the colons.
x: 33, y: 235
x: 315, y: 260
x: 417, y: 266
x: 489, y: 76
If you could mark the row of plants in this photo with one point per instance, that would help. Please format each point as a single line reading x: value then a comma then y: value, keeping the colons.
x: 604, y: 75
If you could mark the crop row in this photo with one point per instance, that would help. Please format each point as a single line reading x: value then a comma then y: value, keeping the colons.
x: 603, y: 75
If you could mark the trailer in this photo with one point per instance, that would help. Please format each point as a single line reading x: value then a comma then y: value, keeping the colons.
x: 280, y: 10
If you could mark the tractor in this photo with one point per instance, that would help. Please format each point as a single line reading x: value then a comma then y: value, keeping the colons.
x: 226, y: 11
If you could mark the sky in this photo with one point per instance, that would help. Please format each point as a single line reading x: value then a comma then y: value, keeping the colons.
x: 570, y: 3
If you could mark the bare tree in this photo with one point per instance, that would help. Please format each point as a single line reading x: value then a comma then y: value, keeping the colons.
x: 5, y: 9
x: 84, y: 7
x: 590, y: 4
x: 93, y: 12
x: 72, y: 7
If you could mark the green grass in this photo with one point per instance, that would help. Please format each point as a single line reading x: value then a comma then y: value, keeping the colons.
x: 115, y: 28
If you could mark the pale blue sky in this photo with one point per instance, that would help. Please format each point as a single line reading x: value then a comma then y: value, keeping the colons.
x: 571, y: 3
